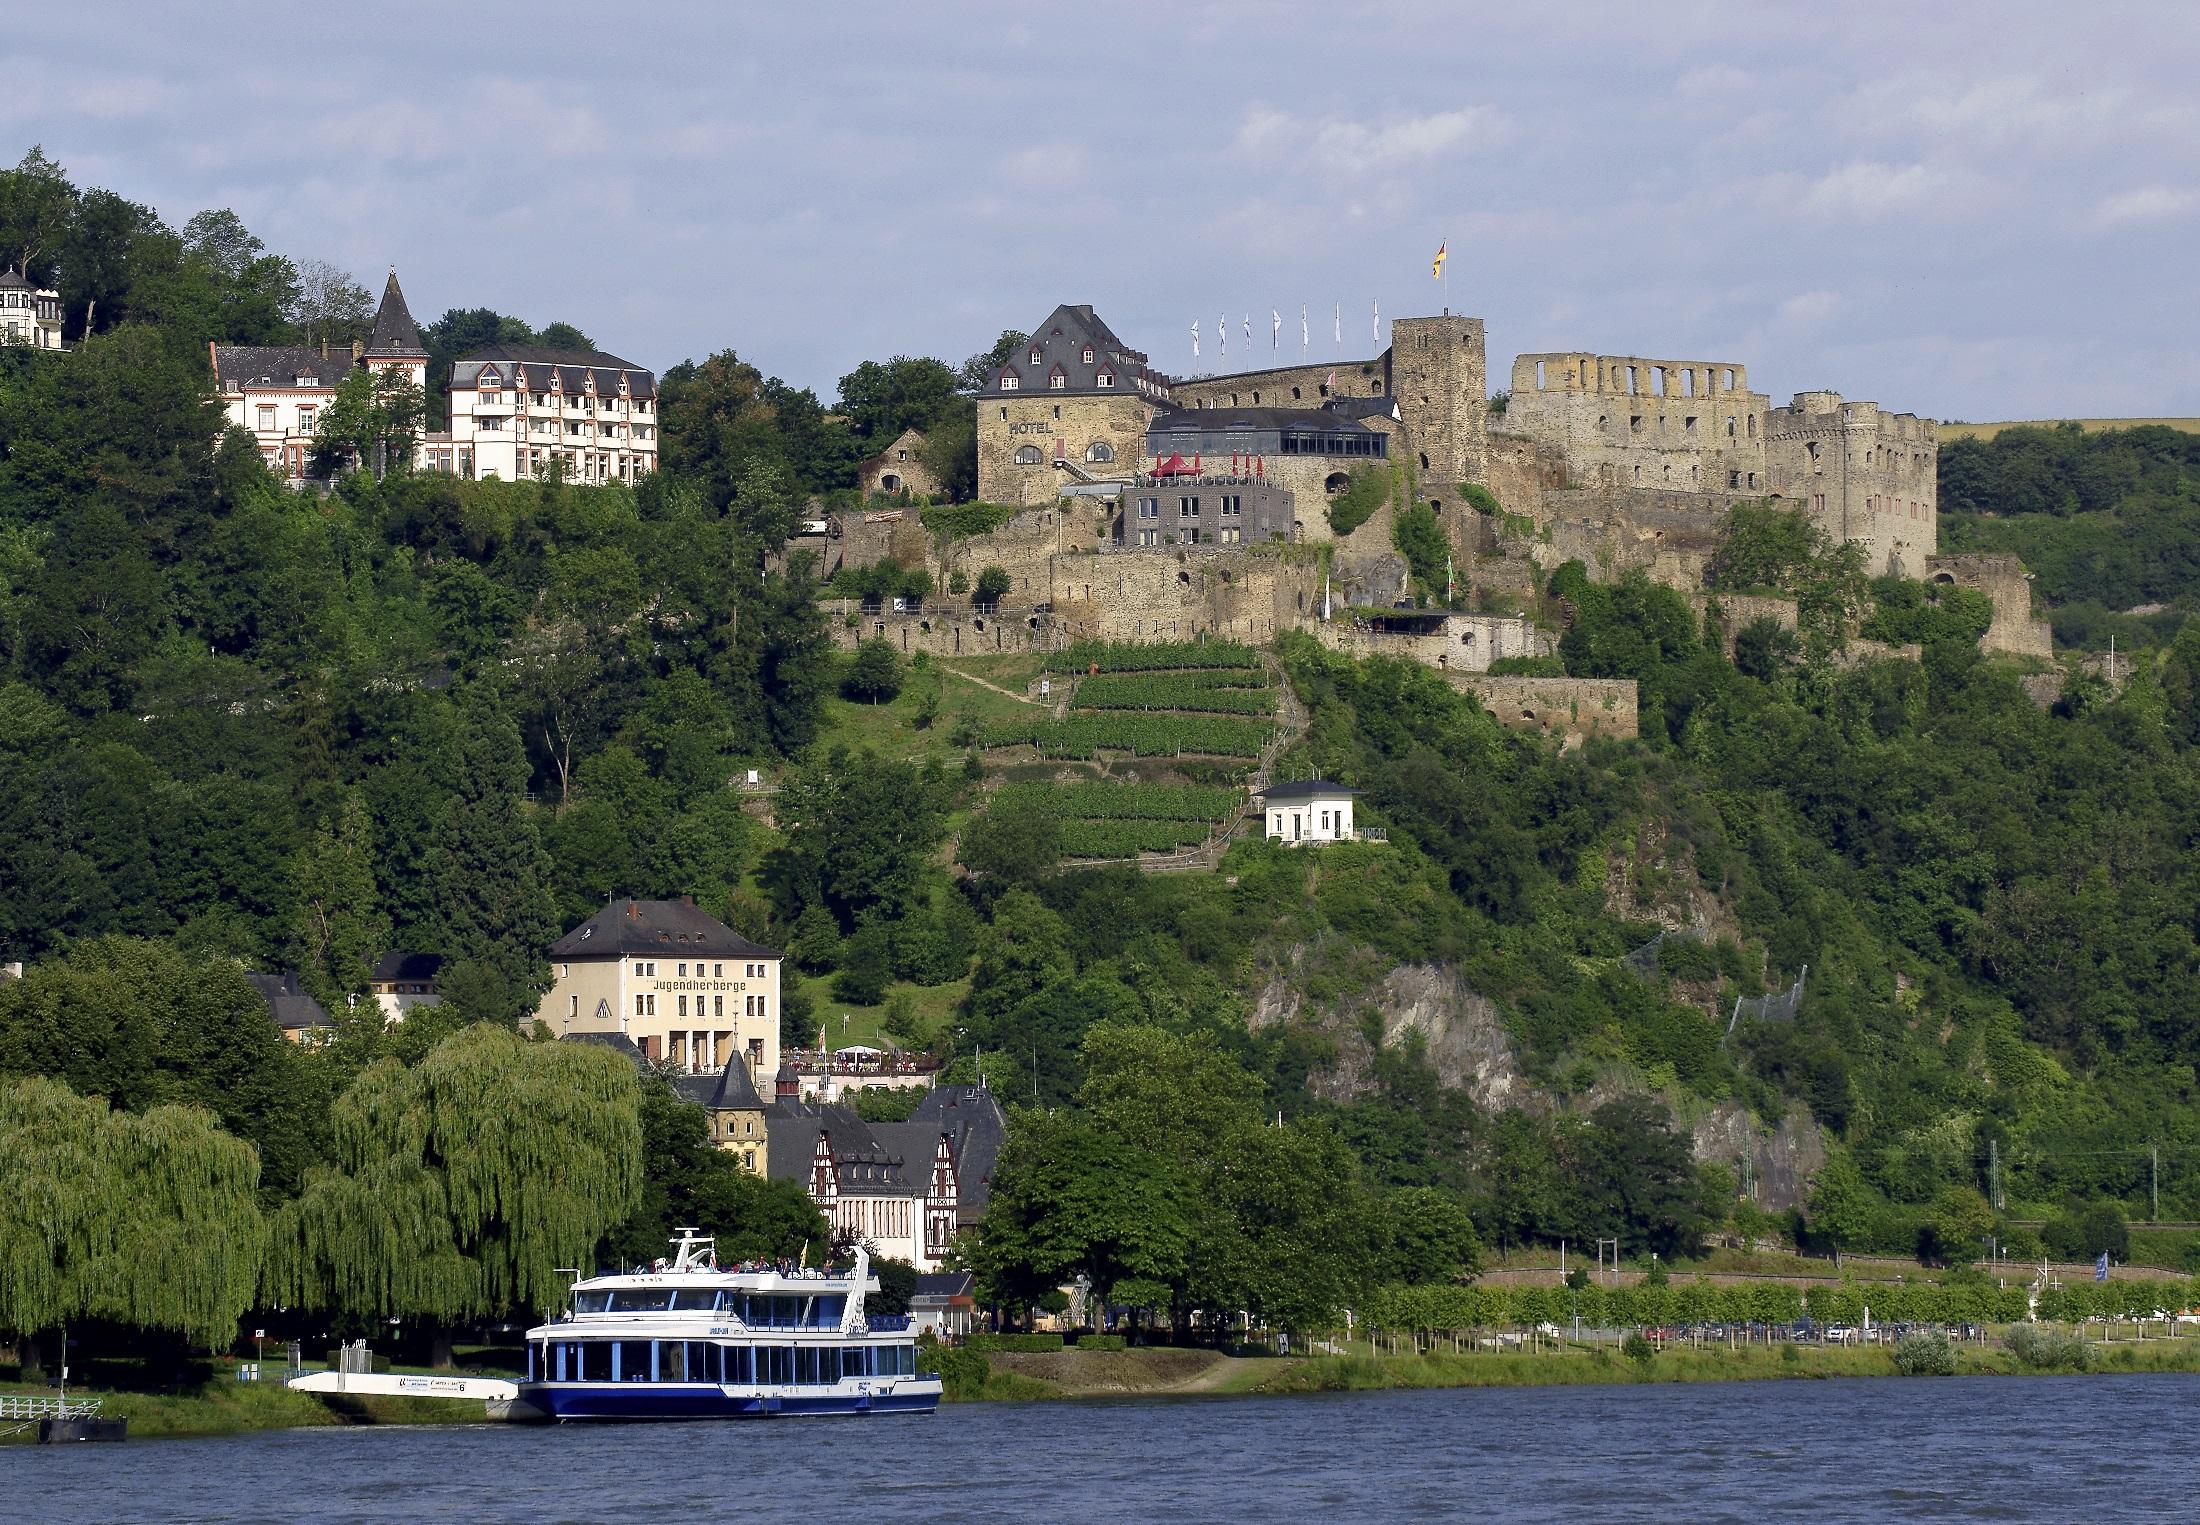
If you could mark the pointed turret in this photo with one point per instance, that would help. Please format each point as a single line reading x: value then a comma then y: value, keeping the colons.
x: 395, y: 336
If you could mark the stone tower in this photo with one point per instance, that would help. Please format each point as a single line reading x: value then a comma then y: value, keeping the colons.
x: 1439, y: 377
x: 394, y: 344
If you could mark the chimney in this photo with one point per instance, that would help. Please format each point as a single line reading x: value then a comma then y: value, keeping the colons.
x: 633, y: 911
x: 788, y: 1087
x: 687, y: 900
x: 358, y: 348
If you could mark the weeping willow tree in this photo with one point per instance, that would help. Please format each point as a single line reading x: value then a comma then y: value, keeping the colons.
x: 463, y: 1182
x: 147, y: 1219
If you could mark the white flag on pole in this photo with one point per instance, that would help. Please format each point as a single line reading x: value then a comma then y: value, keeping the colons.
x: 1248, y: 321
x: 1195, y: 338
x: 1377, y: 322
x: 1306, y: 339
x: 1275, y: 330
x: 1336, y: 323
x: 1222, y: 333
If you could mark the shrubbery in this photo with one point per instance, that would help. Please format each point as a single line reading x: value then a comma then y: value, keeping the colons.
x: 2041, y: 1349
x: 1925, y: 1355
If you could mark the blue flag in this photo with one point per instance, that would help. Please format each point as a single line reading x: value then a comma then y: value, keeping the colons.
x: 2100, y: 1267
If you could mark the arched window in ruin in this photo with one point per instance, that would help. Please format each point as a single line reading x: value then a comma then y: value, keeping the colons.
x: 1294, y: 394
x: 1730, y: 428
x: 1256, y: 399
x: 1337, y: 482
x: 1424, y: 460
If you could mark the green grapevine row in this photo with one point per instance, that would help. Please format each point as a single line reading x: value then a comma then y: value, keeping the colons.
x: 1174, y: 691
x: 1127, y: 802
x: 1110, y: 656
x: 1141, y: 735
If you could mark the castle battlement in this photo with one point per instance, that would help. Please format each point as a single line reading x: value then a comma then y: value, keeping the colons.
x: 1627, y: 375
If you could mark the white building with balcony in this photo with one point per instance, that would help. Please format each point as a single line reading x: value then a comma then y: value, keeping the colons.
x: 1313, y: 810
x: 519, y: 410
x: 28, y: 314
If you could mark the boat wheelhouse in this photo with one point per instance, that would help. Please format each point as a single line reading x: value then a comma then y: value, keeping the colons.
x: 691, y: 1340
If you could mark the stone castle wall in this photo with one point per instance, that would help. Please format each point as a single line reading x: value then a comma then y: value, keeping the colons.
x: 2015, y: 630
x: 1463, y: 642
x: 1864, y: 474
x: 1574, y: 708
x: 1289, y: 386
x: 1622, y: 421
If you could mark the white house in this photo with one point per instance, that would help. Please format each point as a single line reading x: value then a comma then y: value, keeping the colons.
x: 517, y: 410
x: 276, y: 392
x: 1309, y: 810
x: 28, y: 314
x: 401, y: 981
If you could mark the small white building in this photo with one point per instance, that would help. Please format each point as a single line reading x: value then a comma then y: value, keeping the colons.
x: 1309, y: 810
x: 519, y: 410
x: 28, y: 314
x: 401, y: 981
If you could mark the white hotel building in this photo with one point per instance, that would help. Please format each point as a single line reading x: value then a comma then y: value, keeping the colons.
x: 28, y: 314
x: 518, y: 410
x: 275, y: 392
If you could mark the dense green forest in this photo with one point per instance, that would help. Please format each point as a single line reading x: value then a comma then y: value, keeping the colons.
x: 246, y: 726
x: 2108, y: 523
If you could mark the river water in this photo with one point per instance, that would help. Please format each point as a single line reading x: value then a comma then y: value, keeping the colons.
x: 1993, y: 1448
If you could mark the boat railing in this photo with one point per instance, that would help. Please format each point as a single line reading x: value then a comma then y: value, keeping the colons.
x: 49, y: 1408
x: 887, y: 1323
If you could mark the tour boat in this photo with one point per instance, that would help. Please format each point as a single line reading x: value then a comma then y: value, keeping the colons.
x: 689, y: 1339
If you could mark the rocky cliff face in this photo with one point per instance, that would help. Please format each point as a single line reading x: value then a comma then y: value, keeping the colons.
x: 1463, y: 1036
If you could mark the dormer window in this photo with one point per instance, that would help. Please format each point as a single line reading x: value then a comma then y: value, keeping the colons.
x: 1037, y: 354
x: 1088, y: 354
x: 490, y: 381
x: 1009, y: 383
x: 1104, y: 379
x: 1057, y: 380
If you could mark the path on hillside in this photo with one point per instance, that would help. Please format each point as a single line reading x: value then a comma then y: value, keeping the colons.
x: 982, y: 683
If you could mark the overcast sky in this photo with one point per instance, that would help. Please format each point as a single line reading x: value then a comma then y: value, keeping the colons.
x: 1974, y: 209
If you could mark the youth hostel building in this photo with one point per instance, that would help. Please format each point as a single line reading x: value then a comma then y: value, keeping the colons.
x: 681, y: 984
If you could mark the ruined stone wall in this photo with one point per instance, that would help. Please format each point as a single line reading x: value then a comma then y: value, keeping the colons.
x: 949, y: 629
x: 1733, y: 613
x: 1290, y: 386
x: 899, y: 468
x: 1575, y: 708
x: 1670, y: 537
x: 1865, y: 475
x: 1464, y: 642
x: 1043, y: 427
x: 2015, y: 630
x: 1621, y: 421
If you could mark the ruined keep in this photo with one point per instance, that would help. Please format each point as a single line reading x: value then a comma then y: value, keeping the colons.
x: 1622, y: 421
x: 1866, y: 476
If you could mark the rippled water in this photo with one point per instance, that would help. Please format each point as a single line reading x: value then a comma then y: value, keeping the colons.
x: 1931, y: 1449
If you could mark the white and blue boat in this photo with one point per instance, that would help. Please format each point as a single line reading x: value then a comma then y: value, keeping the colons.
x: 688, y: 1339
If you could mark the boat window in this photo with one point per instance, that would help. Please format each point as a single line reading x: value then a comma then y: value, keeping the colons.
x: 595, y: 1361
x: 694, y: 1300
x: 739, y: 1365
x: 775, y: 1363
x: 672, y: 1363
x: 633, y: 1361
x: 591, y: 1302
x: 807, y: 1365
x: 828, y: 1312
x: 638, y: 1300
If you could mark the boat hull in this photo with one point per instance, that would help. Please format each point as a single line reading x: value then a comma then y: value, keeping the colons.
x: 564, y: 1401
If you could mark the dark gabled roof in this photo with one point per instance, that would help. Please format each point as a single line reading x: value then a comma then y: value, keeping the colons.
x: 1363, y: 407
x: 1217, y: 420
x: 618, y: 1043
x: 730, y: 1091
x: 278, y: 365
x: 1306, y: 789
x: 396, y: 335
x: 666, y: 928
x: 408, y: 966
x: 939, y: 1286
x: 972, y: 1119
x: 288, y: 1002
x: 12, y: 280
x: 531, y: 366
x: 1061, y: 341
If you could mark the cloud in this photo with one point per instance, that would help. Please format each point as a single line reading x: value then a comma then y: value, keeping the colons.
x: 1344, y: 143
x: 1809, y: 309
x: 2147, y: 203
x: 1867, y: 190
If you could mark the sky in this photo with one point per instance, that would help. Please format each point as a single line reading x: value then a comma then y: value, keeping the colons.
x: 1973, y: 209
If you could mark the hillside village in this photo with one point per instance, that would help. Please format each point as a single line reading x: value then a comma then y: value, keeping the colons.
x: 1343, y: 804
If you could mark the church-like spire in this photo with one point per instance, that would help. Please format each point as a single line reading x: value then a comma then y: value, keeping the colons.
x: 395, y: 334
